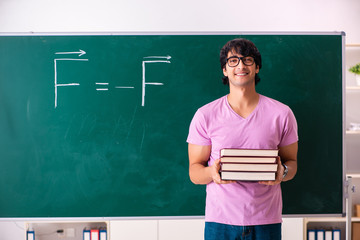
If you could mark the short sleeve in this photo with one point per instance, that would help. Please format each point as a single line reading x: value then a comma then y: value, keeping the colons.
x: 198, y: 130
x: 290, y: 131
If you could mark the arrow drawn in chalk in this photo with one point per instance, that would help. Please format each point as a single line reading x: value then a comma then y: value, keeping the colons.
x: 80, y: 52
x: 163, y: 57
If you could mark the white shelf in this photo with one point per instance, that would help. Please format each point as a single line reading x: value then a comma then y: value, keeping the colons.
x: 352, y: 45
x: 353, y: 175
x: 353, y: 88
x: 330, y: 219
x: 352, y: 132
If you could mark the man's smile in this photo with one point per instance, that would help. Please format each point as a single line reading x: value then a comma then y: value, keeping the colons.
x: 241, y: 74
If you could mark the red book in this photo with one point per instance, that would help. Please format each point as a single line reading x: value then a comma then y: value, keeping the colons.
x: 94, y: 233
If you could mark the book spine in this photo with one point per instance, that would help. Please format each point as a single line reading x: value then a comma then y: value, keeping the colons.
x: 250, y: 152
x: 252, y: 163
x: 247, y: 171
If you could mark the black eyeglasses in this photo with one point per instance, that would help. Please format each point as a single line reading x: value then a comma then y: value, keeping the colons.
x: 234, y: 61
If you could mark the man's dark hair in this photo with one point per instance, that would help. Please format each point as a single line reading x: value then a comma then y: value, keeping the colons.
x: 241, y: 46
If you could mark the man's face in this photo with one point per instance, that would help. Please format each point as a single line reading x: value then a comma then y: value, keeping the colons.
x: 244, y: 73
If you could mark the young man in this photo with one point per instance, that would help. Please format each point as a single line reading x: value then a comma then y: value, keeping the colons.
x: 242, y: 119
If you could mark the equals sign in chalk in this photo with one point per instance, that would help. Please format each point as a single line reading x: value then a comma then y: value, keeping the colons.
x: 102, y: 88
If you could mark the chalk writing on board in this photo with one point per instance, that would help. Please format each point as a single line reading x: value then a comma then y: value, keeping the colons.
x: 156, y: 59
x: 104, y: 86
x: 80, y: 52
x: 56, y: 84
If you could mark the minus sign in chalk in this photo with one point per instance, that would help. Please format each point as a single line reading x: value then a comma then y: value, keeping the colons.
x: 102, y: 89
x: 153, y: 83
x: 123, y: 87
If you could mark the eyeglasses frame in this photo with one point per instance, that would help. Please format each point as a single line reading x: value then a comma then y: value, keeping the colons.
x: 240, y: 59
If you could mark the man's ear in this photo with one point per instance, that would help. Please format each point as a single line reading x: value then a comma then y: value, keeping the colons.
x: 224, y: 71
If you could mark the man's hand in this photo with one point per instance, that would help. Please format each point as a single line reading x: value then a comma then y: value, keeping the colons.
x: 279, y: 174
x: 215, y: 168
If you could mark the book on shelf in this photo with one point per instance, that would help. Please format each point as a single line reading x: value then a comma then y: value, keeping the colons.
x: 94, y: 234
x: 30, y: 235
x: 247, y: 176
x: 328, y: 235
x: 320, y: 234
x: 103, y: 234
x: 238, y: 152
x: 311, y: 234
x: 249, y: 167
x: 86, y: 235
x: 336, y: 234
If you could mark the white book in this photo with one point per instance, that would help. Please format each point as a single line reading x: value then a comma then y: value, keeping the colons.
x: 86, y: 235
x: 249, y: 167
x: 103, y: 235
x: 249, y: 152
x: 320, y: 234
x: 336, y: 234
x: 328, y: 235
x: 248, y: 159
x: 311, y: 234
x: 248, y: 176
x: 30, y: 235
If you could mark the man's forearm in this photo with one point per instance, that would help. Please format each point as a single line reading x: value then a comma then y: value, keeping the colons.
x: 292, y: 169
x: 200, y: 174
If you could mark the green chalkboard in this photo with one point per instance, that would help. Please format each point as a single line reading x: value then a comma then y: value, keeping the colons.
x: 102, y: 133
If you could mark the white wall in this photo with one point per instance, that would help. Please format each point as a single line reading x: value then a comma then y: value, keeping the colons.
x: 184, y: 15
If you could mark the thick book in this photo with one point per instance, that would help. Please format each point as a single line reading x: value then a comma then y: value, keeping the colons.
x: 247, y: 176
x: 248, y: 159
x: 237, y: 152
x: 249, y: 167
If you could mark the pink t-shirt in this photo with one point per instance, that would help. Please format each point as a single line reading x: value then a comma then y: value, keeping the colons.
x: 270, y: 126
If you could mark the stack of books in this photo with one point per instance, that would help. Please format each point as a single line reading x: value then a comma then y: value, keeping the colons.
x: 248, y: 164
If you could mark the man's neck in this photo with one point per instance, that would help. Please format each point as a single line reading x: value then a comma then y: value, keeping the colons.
x: 243, y: 100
